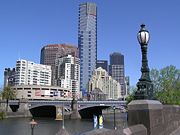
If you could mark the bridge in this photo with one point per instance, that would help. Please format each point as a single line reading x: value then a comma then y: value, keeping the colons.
x: 48, y: 107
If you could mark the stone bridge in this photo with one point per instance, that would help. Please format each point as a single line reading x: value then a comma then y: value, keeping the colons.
x: 46, y: 108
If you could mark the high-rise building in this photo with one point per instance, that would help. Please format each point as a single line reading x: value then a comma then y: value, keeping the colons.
x: 87, y: 42
x: 103, y: 64
x: 109, y: 86
x: 30, y: 73
x: 116, y: 70
x: 49, y: 53
x: 9, y: 77
x: 68, y: 73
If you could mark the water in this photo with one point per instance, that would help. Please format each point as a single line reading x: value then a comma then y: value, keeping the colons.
x: 49, y: 126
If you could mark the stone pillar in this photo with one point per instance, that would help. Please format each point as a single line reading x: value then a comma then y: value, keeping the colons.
x: 75, y: 114
x: 24, y: 108
x: 146, y: 112
x: 59, y: 113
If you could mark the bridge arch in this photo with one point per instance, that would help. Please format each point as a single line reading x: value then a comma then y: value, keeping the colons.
x: 43, y: 111
x: 87, y: 112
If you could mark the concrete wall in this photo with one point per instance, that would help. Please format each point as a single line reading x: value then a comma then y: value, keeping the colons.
x: 157, y: 118
x: 22, y: 110
x: 171, y: 119
x: 133, y: 130
x: 163, y: 121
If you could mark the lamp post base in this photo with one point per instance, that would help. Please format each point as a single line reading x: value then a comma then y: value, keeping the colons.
x: 144, y: 91
x: 146, y: 112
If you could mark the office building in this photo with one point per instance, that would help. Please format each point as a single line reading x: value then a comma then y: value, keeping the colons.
x: 30, y: 73
x: 9, y: 77
x: 68, y: 74
x: 103, y: 64
x: 50, y: 52
x: 116, y: 70
x: 37, y: 92
x: 102, y: 81
x: 87, y: 42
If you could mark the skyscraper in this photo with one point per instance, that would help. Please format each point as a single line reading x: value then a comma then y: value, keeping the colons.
x: 49, y: 53
x: 116, y: 70
x: 87, y: 42
x: 103, y: 64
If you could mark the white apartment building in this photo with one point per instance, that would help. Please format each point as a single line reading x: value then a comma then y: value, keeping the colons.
x: 68, y: 73
x: 30, y: 73
x: 109, y: 86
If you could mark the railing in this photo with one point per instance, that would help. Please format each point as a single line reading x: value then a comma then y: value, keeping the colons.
x: 15, y: 102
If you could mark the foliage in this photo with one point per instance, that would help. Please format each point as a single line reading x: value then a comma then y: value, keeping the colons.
x: 131, y: 95
x: 165, y: 79
x: 2, y: 115
x: 169, y: 97
x: 166, y: 83
x: 8, y: 93
x: 0, y: 93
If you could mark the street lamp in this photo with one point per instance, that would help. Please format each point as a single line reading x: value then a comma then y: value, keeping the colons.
x: 144, y: 85
x: 114, y: 108
x: 33, y: 124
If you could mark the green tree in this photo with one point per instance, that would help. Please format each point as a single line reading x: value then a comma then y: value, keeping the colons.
x: 131, y: 94
x: 8, y: 93
x: 166, y: 83
x: 0, y: 95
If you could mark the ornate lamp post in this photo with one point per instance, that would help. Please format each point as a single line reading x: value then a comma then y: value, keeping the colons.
x: 145, y: 86
x: 33, y: 124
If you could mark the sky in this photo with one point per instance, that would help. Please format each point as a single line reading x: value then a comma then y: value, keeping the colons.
x: 28, y: 25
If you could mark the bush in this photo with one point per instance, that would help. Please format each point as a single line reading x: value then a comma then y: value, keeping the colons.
x: 2, y: 115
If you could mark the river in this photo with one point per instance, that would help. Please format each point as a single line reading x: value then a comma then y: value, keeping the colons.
x: 49, y: 126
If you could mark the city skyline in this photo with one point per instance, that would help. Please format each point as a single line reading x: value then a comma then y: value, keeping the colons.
x: 28, y: 26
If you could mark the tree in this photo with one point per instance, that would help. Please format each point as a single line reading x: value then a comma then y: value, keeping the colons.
x: 166, y: 83
x: 130, y: 97
x: 0, y: 95
x: 165, y: 79
x: 8, y: 93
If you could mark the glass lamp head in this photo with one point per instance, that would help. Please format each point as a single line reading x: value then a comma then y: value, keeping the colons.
x: 143, y: 35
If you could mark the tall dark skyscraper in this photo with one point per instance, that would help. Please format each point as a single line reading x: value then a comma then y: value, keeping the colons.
x: 87, y: 42
x: 103, y: 64
x: 116, y: 70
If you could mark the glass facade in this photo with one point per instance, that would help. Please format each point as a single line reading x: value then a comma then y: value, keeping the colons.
x: 87, y: 42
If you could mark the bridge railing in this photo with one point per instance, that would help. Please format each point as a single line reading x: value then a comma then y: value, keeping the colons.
x: 15, y: 102
x: 103, y: 102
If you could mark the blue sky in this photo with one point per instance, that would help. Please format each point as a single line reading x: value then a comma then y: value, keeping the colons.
x: 27, y: 25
